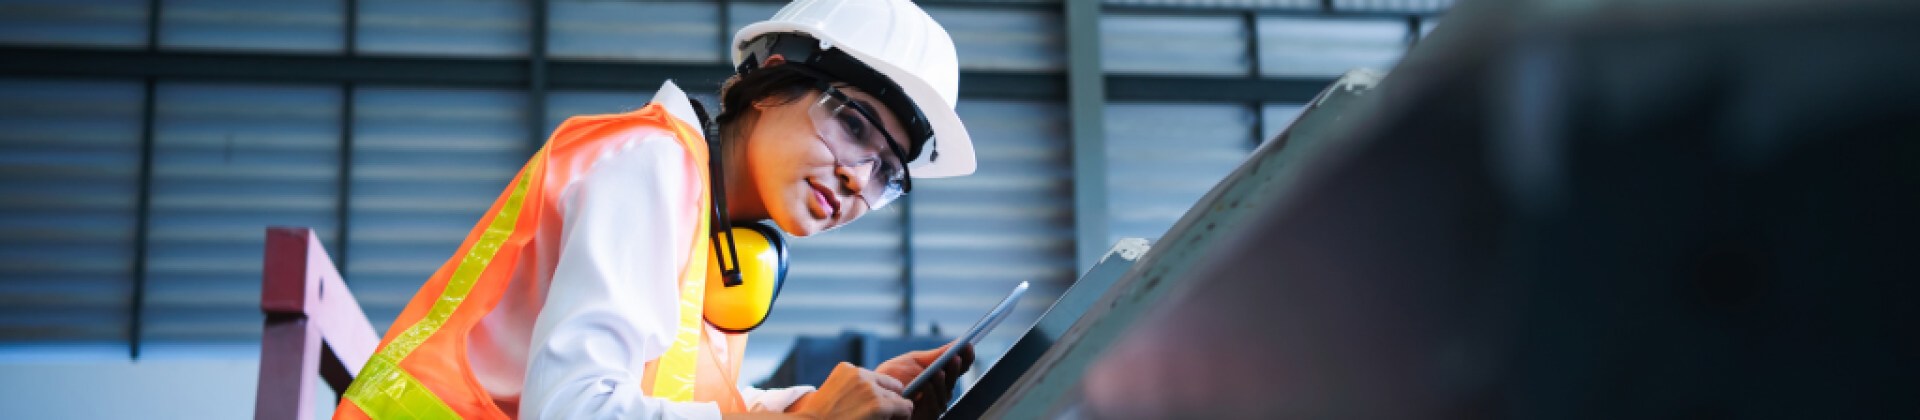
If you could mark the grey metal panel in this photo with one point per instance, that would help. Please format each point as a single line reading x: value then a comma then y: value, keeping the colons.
x: 1004, y: 38
x: 1086, y: 102
x: 491, y: 28
x: 228, y: 161
x: 1295, y: 46
x: 740, y: 14
x: 69, y: 167
x: 302, y: 26
x: 119, y: 23
x: 1261, y: 4
x: 1397, y: 6
x: 1214, y: 45
x: 1161, y: 157
x: 427, y: 163
x: 620, y: 30
x: 975, y: 237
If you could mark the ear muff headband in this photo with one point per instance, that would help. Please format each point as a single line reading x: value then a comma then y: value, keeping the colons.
x: 748, y: 266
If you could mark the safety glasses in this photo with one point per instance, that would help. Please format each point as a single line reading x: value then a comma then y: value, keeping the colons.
x: 858, y: 141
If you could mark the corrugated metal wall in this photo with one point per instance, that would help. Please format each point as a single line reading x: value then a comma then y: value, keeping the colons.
x: 419, y: 164
x: 227, y: 160
x: 69, y: 167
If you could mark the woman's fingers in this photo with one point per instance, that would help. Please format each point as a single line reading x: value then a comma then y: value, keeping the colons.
x: 888, y: 383
x: 926, y: 357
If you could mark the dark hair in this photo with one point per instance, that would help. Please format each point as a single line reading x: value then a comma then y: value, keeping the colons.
x: 739, y: 93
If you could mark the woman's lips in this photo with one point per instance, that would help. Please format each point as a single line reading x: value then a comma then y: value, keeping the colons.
x: 826, y: 200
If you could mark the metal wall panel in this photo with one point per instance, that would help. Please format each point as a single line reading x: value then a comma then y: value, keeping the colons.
x: 1133, y: 43
x: 1004, y: 38
x: 228, y: 161
x: 427, y: 163
x: 1292, y: 46
x: 1260, y: 4
x: 741, y: 14
x: 1395, y: 6
x: 975, y: 237
x: 316, y: 26
x: 92, y: 23
x: 985, y: 37
x: 1162, y: 157
x: 69, y: 167
x: 621, y: 30
x: 487, y: 28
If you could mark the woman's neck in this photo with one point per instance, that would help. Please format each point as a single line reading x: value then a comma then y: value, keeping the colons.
x: 743, y: 198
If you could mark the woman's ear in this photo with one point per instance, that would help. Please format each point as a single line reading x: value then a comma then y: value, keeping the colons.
x: 771, y: 101
x: 768, y: 102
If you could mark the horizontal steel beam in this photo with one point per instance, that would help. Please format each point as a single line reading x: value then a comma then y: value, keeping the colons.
x: 1211, y: 89
x: 583, y: 74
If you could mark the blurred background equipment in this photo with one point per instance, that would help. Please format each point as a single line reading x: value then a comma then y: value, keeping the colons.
x: 145, y: 144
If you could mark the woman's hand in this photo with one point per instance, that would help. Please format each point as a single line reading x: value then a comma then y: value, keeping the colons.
x: 854, y: 393
x: 931, y: 399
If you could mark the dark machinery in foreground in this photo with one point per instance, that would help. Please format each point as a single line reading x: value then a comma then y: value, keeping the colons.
x: 1554, y: 210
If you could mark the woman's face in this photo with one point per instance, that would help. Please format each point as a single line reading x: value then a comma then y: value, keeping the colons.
x: 802, y: 186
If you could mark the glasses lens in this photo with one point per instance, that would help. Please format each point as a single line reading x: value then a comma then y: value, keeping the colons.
x: 858, y: 141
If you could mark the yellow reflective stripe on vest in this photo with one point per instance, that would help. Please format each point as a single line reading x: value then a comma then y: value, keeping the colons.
x: 384, y: 390
x: 674, y: 372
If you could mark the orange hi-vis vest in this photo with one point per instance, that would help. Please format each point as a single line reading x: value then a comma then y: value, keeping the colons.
x: 421, y: 368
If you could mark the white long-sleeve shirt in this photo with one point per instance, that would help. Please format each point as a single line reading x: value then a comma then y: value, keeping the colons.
x: 598, y: 299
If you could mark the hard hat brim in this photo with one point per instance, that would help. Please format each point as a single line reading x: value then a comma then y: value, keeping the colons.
x: 952, y: 152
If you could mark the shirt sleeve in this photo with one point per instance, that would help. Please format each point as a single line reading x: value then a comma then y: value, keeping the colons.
x: 772, y: 400
x: 611, y: 303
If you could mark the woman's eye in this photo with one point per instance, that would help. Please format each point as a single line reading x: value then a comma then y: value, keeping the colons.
x: 855, y: 127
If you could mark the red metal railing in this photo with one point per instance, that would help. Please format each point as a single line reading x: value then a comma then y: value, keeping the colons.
x: 313, y: 326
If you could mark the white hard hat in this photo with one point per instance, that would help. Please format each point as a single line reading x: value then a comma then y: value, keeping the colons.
x: 898, y: 40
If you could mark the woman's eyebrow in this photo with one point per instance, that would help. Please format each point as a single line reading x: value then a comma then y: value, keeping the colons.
x: 868, y: 105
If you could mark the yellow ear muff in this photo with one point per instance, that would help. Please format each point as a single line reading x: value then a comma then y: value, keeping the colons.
x: 763, y: 268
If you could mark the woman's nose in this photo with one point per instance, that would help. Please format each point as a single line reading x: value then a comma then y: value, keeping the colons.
x: 853, y: 179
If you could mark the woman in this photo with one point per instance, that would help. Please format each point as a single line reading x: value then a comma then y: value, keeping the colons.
x: 584, y: 291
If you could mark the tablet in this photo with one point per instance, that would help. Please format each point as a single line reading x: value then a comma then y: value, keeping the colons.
x: 972, y: 337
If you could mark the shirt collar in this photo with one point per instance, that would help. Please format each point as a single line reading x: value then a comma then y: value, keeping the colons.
x: 678, y: 105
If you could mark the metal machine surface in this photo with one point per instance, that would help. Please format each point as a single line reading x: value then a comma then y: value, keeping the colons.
x: 1272, y: 170
x: 1082, y: 296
